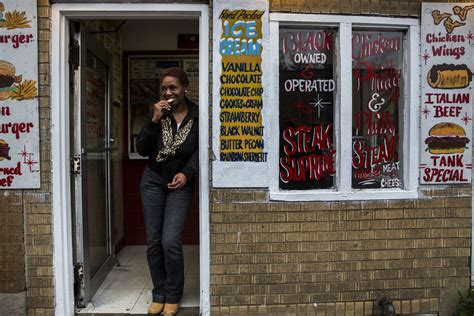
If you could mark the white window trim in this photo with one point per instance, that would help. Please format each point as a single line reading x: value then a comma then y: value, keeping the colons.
x: 343, y: 104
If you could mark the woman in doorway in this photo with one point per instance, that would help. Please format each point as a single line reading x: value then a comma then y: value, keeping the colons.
x: 170, y: 140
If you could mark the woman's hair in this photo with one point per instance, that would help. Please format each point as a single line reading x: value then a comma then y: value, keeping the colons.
x: 176, y: 73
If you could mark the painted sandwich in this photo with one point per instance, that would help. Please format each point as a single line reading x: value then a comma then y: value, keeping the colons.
x: 449, y: 76
x: 446, y: 138
x: 8, y: 80
x: 4, y: 150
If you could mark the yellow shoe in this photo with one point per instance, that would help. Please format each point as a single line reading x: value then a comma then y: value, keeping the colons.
x: 170, y: 309
x: 155, y: 308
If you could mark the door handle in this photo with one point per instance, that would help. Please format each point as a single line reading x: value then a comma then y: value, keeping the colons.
x: 111, y: 144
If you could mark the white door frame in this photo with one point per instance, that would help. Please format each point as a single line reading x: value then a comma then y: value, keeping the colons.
x: 62, y: 227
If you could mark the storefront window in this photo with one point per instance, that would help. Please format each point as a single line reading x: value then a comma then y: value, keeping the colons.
x: 307, y: 88
x: 377, y: 62
x: 348, y: 107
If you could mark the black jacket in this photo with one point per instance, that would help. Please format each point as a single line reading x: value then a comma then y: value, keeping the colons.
x: 186, y: 160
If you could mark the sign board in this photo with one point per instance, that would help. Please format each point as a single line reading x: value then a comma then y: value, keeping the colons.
x: 19, y: 111
x: 447, y: 65
x: 240, y: 50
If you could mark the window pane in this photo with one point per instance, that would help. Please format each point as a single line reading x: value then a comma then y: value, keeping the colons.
x: 307, y: 89
x: 377, y: 103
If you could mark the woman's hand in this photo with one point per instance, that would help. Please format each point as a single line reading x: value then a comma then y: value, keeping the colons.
x: 179, y: 180
x: 159, y: 109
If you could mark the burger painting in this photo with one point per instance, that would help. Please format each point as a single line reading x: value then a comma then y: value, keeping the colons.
x: 4, y: 150
x: 446, y: 138
x: 8, y: 80
x: 12, y: 85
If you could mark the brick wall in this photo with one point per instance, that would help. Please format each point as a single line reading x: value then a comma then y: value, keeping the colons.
x: 12, y: 253
x: 37, y: 204
x: 372, y: 7
x: 405, y: 8
x: 341, y: 255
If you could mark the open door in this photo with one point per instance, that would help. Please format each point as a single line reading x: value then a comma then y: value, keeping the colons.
x: 92, y: 147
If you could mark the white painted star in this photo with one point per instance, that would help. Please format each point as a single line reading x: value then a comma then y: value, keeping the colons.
x: 319, y: 104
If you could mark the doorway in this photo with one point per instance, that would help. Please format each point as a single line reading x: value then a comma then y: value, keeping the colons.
x: 65, y: 236
x: 110, y: 261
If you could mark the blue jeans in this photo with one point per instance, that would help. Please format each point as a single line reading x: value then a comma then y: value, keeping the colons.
x: 165, y: 214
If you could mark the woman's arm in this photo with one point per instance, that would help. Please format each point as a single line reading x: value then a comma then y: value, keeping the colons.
x: 192, y: 166
x: 146, y: 141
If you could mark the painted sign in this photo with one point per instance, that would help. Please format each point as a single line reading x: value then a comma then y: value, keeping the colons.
x: 447, y: 46
x: 377, y: 67
x: 19, y: 112
x: 239, y: 132
x: 307, y: 90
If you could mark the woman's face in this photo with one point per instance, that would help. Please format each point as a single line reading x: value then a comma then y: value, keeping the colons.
x: 171, y: 88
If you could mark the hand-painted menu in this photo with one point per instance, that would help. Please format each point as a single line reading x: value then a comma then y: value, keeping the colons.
x: 19, y: 122
x: 240, y: 79
x: 447, y: 66
x: 307, y: 86
x: 377, y: 60
x: 241, y: 123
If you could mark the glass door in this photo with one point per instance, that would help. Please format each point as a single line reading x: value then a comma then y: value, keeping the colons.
x: 92, y: 147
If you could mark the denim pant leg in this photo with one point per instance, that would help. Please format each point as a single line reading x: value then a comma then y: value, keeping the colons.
x: 176, y: 208
x: 165, y: 215
x: 153, y: 195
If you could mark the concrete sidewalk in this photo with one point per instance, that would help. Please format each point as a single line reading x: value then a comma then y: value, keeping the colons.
x: 13, y: 304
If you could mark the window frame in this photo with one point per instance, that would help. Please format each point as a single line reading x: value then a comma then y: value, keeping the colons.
x: 343, y: 107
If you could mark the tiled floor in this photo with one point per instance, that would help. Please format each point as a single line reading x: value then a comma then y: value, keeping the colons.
x: 127, y: 288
